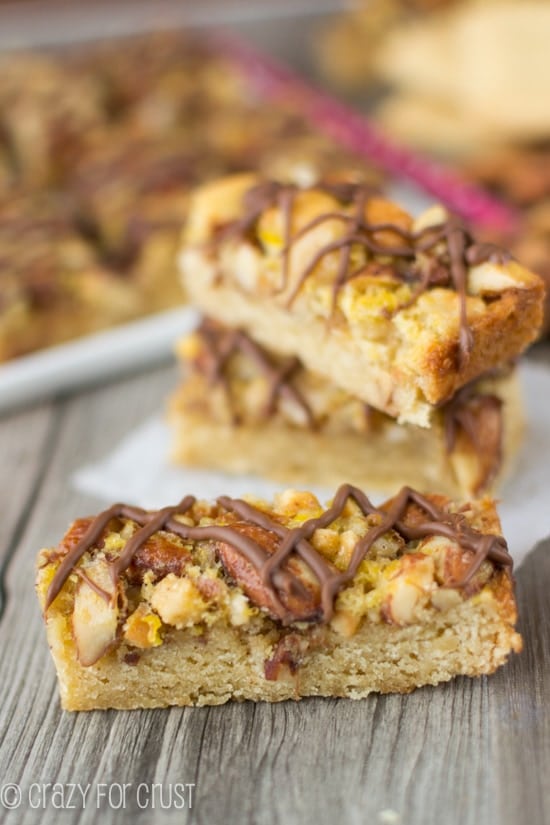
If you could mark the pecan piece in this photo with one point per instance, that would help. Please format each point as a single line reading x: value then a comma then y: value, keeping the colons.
x: 291, y: 651
x: 76, y: 531
x: 161, y: 554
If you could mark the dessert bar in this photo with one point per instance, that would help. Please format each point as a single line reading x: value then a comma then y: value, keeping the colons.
x: 242, y: 409
x: 200, y: 603
x: 397, y: 311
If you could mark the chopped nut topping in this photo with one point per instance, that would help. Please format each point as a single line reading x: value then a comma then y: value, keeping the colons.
x: 244, y: 564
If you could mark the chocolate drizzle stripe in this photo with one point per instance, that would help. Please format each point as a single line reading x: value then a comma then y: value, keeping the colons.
x: 456, y: 244
x: 152, y: 525
x: 465, y: 412
x: 104, y: 594
x: 446, y: 267
x: 293, y: 541
x: 96, y: 530
x: 333, y: 246
x: 221, y: 344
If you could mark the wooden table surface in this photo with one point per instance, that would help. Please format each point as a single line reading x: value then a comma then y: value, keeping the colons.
x: 474, y: 752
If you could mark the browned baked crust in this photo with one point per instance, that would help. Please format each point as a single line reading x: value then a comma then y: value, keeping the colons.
x: 520, y: 176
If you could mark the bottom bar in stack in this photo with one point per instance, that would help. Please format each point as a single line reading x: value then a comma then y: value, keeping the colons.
x: 201, y: 603
x: 241, y: 409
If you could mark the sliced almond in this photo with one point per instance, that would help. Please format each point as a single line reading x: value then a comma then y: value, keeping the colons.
x: 490, y: 277
x: 95, y: 614
x: 446, y: 598
x: 297, y: 594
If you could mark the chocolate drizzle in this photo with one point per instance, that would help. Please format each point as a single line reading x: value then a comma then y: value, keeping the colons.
x: 435, y: 256
x: 222, y: 344
x: 476, y: 414
x: 272, y: 567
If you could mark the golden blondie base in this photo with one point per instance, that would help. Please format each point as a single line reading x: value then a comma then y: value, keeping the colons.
x: 472, y: 639
x: 340, y: 357
x: 401, y: 454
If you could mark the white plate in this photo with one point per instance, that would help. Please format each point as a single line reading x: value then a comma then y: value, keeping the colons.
x: 84, y: 361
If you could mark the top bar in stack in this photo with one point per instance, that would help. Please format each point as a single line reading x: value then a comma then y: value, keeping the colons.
x: 401, y: 312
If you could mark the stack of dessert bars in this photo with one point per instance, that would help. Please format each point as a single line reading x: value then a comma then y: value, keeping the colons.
x: 344, y: 340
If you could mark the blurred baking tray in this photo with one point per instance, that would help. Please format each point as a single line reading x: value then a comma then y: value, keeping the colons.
x: 267, y: 40
x: 150, y: 340
x: 92, y: 358
x: 278, y: 24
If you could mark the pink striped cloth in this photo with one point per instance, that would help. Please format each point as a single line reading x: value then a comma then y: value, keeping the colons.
x: 356, y: 132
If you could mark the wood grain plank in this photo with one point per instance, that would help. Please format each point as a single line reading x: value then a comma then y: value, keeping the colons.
x: 472, y: 751
x: 25, y: 442
x: 87, y: 428
x: 520, y: 713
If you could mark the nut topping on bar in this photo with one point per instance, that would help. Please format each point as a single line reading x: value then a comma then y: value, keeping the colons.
x: 436, y: 255
x: 479, y: 417
x: 221, y: 344
x: 204, y: 602
x: 474, y: 414
x: 277, y: 565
